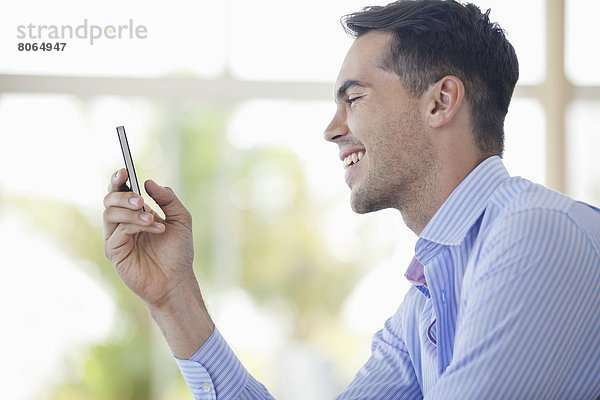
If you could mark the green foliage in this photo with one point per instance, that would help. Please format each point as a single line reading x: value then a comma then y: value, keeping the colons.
x: 283, y: 255
x: 118, y: 370
x: 201, y: 140
x: 73, y: 232
x: 280, y: 256
x: 112, y: 371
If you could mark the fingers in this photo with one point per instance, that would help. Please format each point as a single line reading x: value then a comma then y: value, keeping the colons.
x: 125, y: 207
x: 119, y: 215
x: 123, y: 200
x: 157, y: 216
x: 118, y: 181
x: 126, y: 223
x: 167, y: 200
x: 123, y: 234
x: 129, y: 200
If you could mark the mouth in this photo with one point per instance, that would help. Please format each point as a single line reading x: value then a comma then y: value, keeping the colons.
x: 352, y: 159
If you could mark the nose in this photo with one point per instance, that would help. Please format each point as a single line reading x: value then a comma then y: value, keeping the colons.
x: 336, y: 128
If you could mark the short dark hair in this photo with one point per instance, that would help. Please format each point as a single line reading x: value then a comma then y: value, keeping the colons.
x: 435, y: 38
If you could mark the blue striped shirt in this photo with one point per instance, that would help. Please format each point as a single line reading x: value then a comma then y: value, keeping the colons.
x: 505, y: 304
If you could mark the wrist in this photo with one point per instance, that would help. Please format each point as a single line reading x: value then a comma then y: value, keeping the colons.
x: 183, y: 319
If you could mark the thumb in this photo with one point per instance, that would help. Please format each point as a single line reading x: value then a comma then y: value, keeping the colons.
x: 167, y: 200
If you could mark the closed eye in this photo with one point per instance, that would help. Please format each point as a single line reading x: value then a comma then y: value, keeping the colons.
x: 351, y: 100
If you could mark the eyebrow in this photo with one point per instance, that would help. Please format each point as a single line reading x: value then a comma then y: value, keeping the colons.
x: 341, y: 92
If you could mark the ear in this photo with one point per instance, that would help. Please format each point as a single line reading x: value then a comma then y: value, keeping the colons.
x: 444, y: 99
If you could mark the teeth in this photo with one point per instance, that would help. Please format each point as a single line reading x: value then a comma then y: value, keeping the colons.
x: 353, y: 158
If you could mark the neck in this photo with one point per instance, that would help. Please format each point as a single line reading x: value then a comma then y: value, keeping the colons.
x: 438, y: 186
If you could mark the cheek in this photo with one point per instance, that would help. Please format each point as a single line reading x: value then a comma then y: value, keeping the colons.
x: 392, y: 147
x: 385, y: 137
x: 364, y: 116
x: 356, y: 124
x: 366, y: 127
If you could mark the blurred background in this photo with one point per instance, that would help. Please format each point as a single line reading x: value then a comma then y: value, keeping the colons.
x: 226, y: 102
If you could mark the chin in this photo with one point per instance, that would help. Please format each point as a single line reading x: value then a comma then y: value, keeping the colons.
x: 362, y: 204
x: 359, y: 210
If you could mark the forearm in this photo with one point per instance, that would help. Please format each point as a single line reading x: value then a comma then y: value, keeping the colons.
x: 209, y: 366
x: 183, y: 320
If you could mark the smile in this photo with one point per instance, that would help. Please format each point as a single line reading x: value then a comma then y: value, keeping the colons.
x: 352, y: 159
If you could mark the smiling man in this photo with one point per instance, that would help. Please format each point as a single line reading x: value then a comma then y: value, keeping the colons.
x: 375, y: 111
x: 506, y: 273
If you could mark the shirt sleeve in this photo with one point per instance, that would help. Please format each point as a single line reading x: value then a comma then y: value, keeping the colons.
x: 389, y: 373
x: 215, y: 373
x: 528, y: 322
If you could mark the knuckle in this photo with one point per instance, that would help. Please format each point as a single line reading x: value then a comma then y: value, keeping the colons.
x: 113, y: 215
x: 106, y: 200
x: 187, y: 216
x: 121, y: 229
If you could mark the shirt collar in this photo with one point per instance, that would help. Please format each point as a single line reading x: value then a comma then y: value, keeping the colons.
x: 466, y: 203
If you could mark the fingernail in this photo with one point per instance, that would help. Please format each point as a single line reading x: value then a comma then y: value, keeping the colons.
x: 158, y: 225
x: 144, y: 217
x: 134, y: 201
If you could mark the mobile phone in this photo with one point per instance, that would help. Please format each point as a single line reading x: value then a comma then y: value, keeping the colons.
x: 133, y: 182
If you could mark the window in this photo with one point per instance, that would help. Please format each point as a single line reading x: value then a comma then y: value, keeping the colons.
x: 217, y: 94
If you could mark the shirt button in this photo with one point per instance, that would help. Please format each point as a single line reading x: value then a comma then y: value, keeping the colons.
x: 206, y: 387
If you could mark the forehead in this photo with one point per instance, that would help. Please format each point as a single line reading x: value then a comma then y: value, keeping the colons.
x: 364, y: 57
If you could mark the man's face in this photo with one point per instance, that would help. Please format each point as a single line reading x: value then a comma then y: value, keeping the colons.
x: 379, y: 129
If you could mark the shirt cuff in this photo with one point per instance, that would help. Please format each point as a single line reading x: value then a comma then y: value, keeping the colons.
x: 214, y: 371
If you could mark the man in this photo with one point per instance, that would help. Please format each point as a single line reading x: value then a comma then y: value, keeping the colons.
x: 506, y: 273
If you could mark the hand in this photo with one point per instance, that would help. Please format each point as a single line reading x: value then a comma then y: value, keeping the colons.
x: 153, y: 256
